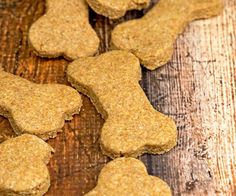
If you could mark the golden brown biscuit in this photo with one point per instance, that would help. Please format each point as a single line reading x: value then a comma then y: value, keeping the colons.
x: 38, y: 109
x: 128, y: 176
x: 132, y: 126
x: 64, y: 30
x: 23, y: 168
x: 151, y: 38
x: 115, y: 9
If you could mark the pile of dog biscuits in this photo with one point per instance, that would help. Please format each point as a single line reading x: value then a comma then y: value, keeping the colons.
x: 132, y: 126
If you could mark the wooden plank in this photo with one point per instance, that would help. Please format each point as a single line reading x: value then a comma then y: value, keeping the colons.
x: 197, y: 88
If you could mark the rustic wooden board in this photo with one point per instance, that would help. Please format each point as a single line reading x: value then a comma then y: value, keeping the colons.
x: 197, y: 88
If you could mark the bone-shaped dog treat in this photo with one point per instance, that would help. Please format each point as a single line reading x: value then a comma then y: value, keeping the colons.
x: 132, y: 126
x: 128, y: 176
x: 151, y: 38
x: 23, y: 168
x: 116, y: 9
x: 38, y: 109
x: 64, y: 30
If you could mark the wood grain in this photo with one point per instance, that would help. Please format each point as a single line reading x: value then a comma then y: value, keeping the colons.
x: 197, y: 88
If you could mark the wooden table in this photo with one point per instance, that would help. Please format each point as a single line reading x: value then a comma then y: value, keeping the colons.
x: 197, y: 88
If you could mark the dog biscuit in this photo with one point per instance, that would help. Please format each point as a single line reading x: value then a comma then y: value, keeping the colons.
x: 128, y: 176
x: 151, y: 38
x: 64, y: 30
x: 132, y: 126
x: 115, y: 9
x: 38, y: 109
x: 23, y: 168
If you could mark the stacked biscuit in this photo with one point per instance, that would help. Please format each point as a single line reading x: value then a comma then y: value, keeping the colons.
x: 111, y: 80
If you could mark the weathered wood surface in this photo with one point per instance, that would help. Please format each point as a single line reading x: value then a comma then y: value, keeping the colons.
x: 197, y: 88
